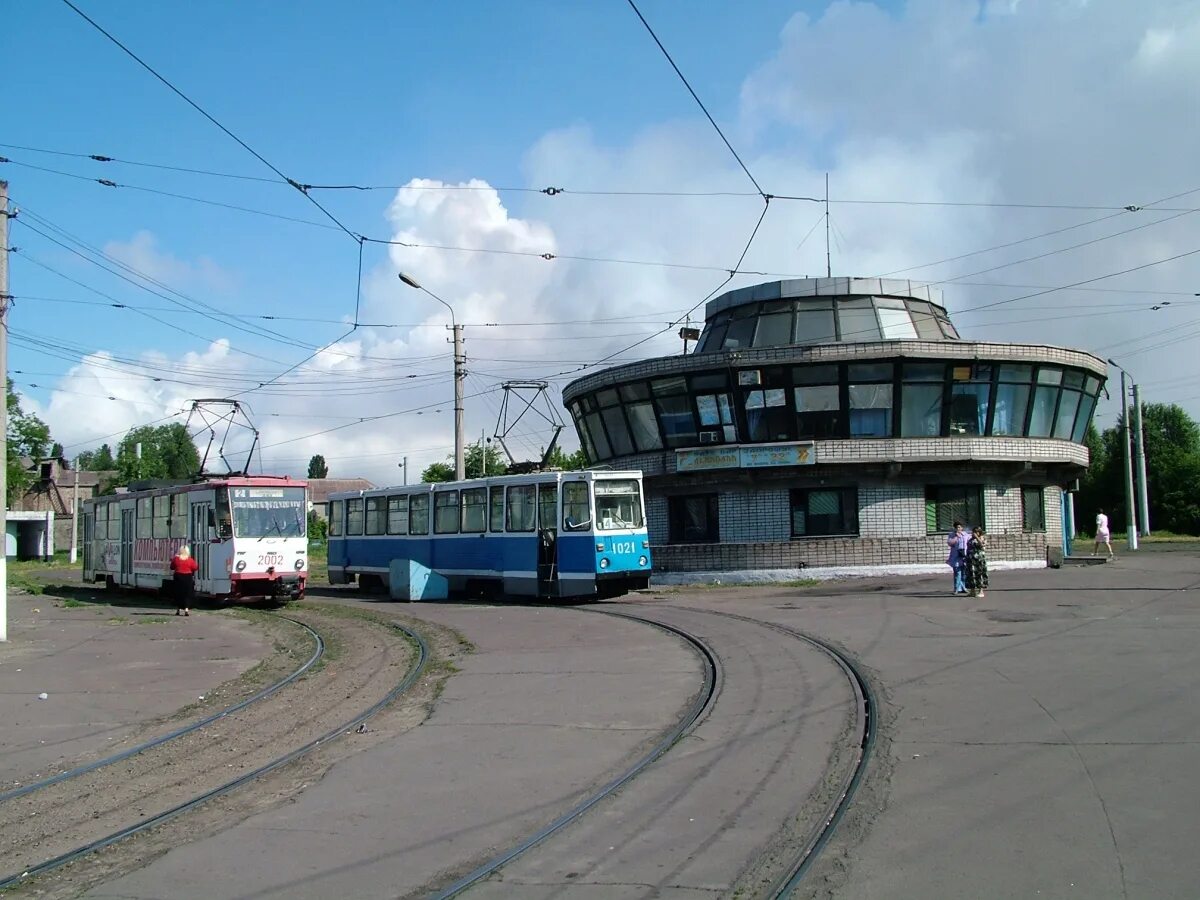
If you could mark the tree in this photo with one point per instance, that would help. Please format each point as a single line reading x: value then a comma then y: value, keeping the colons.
x: 317, y: 467
x: 318, y: 528
x: 27, y: 435
x: 478, y: 463
x: 167, y: 452
x: 568, y: 462
x: 56, y: 451
x: 437, y: 473
x: 98, y: 460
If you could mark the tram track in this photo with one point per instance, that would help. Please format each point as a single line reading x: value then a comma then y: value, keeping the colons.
x: 369, y: 669
x: 77, y: 771
x: 787, y: 870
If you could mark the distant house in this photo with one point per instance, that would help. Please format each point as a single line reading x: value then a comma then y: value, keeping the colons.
x: 319, y: 490
x: 52, y: 488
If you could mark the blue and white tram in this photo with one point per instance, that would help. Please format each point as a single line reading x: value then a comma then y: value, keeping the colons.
x: 545, y: 535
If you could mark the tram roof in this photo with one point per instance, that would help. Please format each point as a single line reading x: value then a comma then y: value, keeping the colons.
x: 529, y: 478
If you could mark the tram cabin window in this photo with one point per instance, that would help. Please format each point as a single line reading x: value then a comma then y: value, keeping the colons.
x: 576, y: 513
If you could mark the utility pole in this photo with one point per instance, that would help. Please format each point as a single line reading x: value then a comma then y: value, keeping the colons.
x: 1143, y: 490
x: 75, y: 516
x: 828, y: 263
x: 404, y: 466
x: 4, y: 301
x: 460, y: 376
x: 1130, y: 510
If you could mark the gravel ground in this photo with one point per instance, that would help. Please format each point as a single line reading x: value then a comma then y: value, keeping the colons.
x: 365, y: 659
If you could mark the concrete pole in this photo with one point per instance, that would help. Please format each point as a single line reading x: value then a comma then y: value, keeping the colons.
x: 75, y: 517
x: 460, y: 376
x: 4, y: 300
x: 1130, y: 510
x: 1143, y: 489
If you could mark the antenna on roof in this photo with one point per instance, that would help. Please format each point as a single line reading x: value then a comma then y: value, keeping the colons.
x: 828, y: 266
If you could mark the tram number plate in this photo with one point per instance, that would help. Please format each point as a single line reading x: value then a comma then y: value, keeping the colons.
x: 270, y: 559
x: 622, y: 546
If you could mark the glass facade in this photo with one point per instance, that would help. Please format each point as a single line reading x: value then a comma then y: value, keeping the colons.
x: 825, y: 320
x: 763, y: 404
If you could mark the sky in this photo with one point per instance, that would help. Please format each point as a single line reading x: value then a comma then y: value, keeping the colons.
x: 988, y: 148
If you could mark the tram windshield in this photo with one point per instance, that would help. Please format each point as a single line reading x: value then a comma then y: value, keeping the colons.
x: 618, y: 505
x: 263, y: 512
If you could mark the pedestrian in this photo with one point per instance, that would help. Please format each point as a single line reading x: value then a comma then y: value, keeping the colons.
x: 977, y: 569
x: 1103, y: 536
x: 957, y: 560
x: 184, y: 568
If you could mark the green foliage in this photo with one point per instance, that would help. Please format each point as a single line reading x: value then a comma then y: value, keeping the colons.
x: 98, y: 460
x: 437, y: 473
x: 1172, y: 444
x: 318, y: 528
x: 167, y: 452
x: 474, y: 461
x: 27, y: 435
x: 568, y: 462
x: 317, y: 467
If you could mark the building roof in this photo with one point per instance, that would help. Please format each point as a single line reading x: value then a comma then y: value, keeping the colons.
x: 319, y: 489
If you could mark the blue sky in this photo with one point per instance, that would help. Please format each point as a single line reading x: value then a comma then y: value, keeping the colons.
x: 941, y: 101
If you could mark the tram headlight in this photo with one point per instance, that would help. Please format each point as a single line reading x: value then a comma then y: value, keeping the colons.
x: 642, y: 561
x: 604, y: 562
x: 241, y: 565
x: 300, y: 564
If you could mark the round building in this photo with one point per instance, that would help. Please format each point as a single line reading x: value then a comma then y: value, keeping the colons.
x: 834, y: 422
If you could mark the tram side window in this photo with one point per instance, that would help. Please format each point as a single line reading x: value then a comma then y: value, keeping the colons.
x: 179, y: 516
x: 114, y: 521
x: 474, y: 510
x: 397, y: 513
x: 577, y: 514
x: 445, y: 512
x: 336, y: 511
x: 418, y: 514
x: 522, y: 511
x: 100, y: 529
x: 354, y: 516
x: 162, y: 515
x: 548, y: 507
x: 145, y: 518
x: 376, y: 515
x: 496, y: 515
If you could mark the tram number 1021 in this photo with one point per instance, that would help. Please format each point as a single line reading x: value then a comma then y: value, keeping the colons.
x: 623, y: 547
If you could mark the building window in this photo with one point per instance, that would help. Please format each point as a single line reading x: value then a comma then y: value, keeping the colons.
x: 921, y: 400
x: 694, y: 519
x: 335, y: 517
x: 818, y: 402
x: 894, y: 320
x: 614, y: 422
x: 767, y: 415
x: 474, y: 510
x: 1045, y: 401
x: 1033, y: 509
x: 1012, y: 400
x: 870, y: 404
x: 946, y: 504
x: 821, y: 512
x: 716, y: 419
x: 970, y: 392
x: 856, y: 318
x: 397, y: 513
x: 675, y: 411
x: 445, y: 512
x: 814, y: 323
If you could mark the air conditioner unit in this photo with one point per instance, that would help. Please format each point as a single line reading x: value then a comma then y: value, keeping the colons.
x: 710, y: 437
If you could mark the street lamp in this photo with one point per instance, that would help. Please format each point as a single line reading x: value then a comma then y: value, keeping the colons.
x: 460, y: 374
x: 1131, y: 526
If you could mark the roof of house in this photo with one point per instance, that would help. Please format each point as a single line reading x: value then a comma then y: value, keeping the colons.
x: 319, y: 489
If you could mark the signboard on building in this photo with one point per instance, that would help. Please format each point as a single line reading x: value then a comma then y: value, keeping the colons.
x: 756, y: 456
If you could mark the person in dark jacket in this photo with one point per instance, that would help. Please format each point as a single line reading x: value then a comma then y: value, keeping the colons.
x: 184, y: 568
x: 977, y: 567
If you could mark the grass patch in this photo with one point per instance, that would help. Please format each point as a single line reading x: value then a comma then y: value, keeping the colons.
x: 152, y: 620
x: 72, y: 603
x: 117, y: 620
x: 318, y: 563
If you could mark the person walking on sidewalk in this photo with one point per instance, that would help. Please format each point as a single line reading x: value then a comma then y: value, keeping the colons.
x: 184, y: 568
x: 977, y: 569
x: 1103, y: 535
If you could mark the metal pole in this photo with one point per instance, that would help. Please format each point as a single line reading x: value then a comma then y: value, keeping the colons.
x: 404, y: 466
x: 1070, y: 498
x: 1143, y: 489
x: 75, y: 517
x: 460, y: 375
x: 1130, y: 511
x: 4, y: 299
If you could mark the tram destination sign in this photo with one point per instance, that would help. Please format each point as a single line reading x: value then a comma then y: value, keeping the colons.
x: 757, y: 456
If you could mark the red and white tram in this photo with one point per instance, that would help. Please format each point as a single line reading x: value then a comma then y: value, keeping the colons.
x: 248, y: 534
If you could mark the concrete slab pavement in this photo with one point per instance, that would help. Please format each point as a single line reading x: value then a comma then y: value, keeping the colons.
x: 552, y: 703
x: 105, y: 674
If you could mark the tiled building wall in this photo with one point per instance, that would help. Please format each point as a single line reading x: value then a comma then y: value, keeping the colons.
x: 750, y: 515
x: 891, y: 510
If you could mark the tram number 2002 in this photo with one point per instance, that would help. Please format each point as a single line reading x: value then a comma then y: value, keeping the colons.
x: 623, y: 546
x: 270, y: 559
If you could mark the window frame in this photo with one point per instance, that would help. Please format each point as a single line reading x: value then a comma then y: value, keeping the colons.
x: 509, y: 506
x: 445, y: 511
x: 355, y: 508
x: 418, y: 505
x: 847, y: 512
x: 496, y: 510
x: 969, y: 492
x: 1038, y: 525
x: 336, y: 513
x: 676, y: 528
x: 480, y: 497
x: 569, y: 507
x: 399, y: 510
x: 375, y: 524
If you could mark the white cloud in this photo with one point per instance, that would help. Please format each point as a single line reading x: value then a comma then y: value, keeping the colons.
x: 142, y: 252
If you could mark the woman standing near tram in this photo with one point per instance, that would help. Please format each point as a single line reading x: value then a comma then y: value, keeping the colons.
x: 184, y: 568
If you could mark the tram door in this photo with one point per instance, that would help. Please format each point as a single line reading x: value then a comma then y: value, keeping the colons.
x: 200, y: 542
x: 547, y: 504
x: 127, y: 520
x: 89, y: 535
